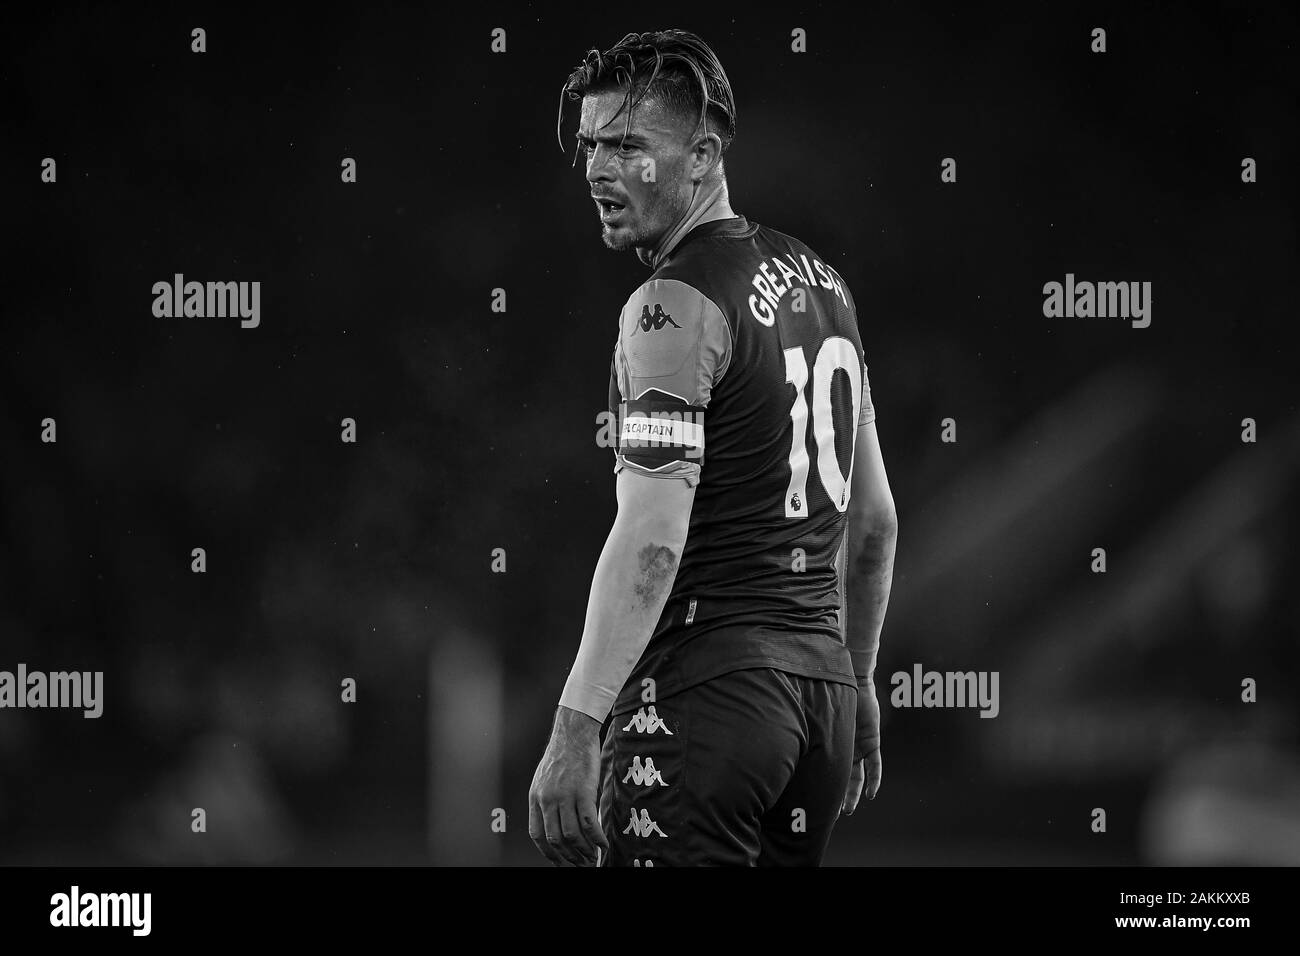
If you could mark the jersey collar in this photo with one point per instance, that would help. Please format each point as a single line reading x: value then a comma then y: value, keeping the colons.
x: 704, y: 209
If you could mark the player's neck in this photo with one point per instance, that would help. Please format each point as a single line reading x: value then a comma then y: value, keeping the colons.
x: 710, y: 203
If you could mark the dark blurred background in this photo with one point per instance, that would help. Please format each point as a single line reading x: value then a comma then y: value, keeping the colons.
x: 476, y: 430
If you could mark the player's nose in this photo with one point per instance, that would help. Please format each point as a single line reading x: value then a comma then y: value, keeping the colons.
x: 600, y: 169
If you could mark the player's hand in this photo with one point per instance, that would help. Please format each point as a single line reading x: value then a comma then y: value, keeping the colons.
x: 867, y: 771
x: 562, y: 800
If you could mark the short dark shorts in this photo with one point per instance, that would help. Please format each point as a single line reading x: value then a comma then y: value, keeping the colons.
x: 745, y: 769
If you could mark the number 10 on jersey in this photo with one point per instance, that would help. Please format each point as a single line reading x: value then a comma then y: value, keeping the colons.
x: 836, y: 353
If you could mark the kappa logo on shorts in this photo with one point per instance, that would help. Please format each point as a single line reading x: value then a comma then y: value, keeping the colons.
x: 653, y: 323
x: 643, y: 826
x: 646, y: 721
x: 637, y: 862
x: 644, y: 774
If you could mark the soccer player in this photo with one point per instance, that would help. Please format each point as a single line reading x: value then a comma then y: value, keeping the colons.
x: 744, y: 712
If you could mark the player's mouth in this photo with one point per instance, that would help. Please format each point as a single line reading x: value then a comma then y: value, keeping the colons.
x: 609, y: 210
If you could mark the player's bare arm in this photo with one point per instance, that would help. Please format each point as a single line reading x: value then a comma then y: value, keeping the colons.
x: 870, y: 538
x: 633, y: 578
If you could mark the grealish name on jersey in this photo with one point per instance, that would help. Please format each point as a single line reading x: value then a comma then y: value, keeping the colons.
x: 771, y: 287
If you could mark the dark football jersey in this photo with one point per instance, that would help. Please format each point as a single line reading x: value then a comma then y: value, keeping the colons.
x: 739, y: 368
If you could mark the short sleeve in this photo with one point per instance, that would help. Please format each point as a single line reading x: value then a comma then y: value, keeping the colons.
x: 868, y: 411
x: 674, y: 346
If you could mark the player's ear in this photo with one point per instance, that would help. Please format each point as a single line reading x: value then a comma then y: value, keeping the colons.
x: 706, y: 155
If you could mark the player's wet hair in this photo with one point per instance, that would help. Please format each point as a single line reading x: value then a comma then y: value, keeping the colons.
x: 674, y: 66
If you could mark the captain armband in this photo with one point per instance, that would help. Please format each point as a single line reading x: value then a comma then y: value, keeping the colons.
x: 658, y: 433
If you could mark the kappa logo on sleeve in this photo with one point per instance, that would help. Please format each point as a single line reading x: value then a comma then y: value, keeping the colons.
x: 643, y: 826
x: 655, y: 322
x: 646, y: 721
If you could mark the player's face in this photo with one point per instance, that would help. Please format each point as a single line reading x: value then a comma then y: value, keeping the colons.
x: 638, y: 182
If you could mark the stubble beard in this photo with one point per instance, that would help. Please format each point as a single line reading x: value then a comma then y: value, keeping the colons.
x: 638, y: 236
x: 620, y: 240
